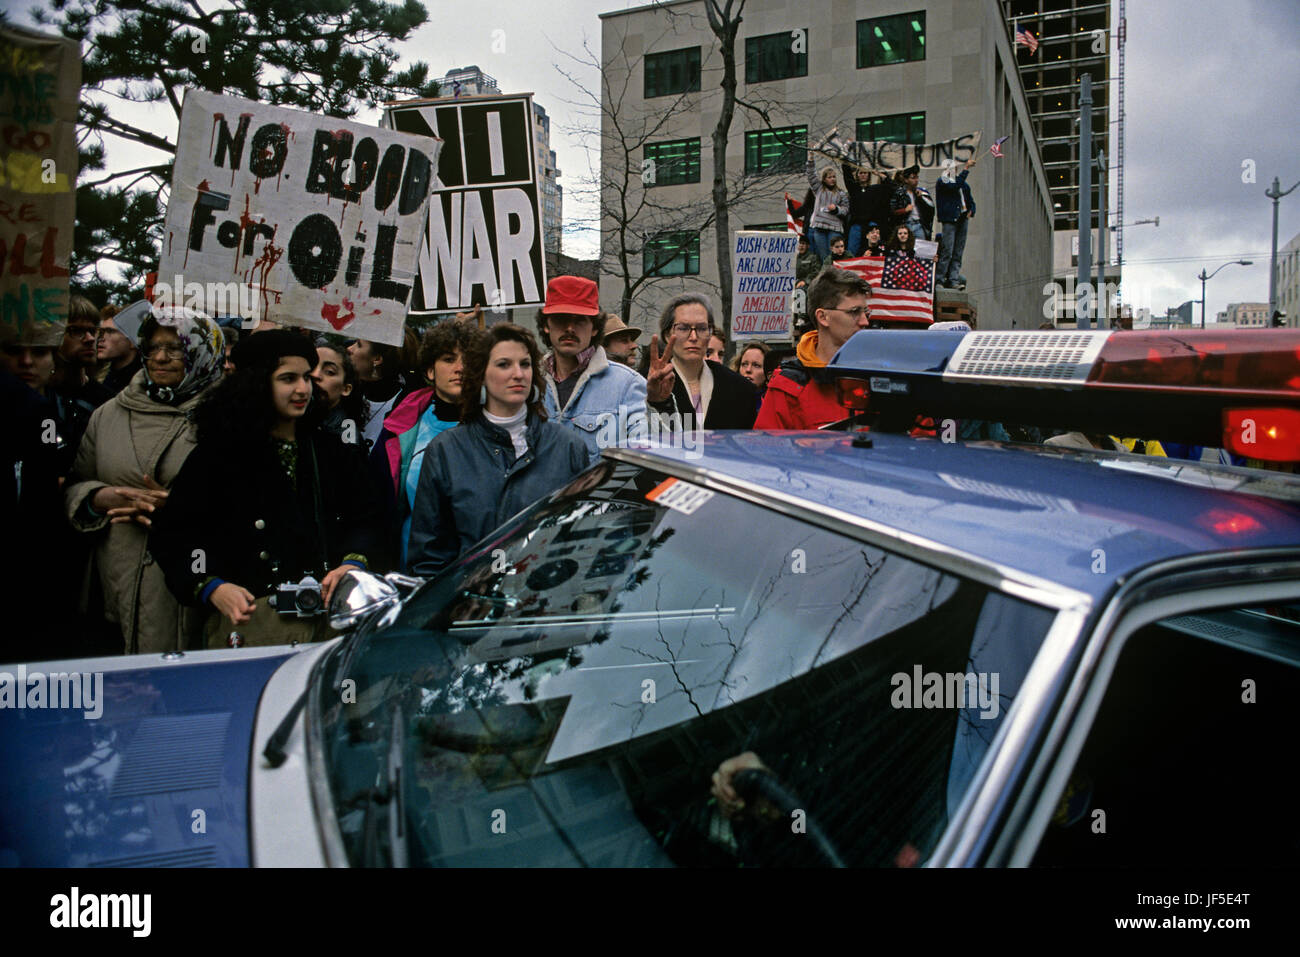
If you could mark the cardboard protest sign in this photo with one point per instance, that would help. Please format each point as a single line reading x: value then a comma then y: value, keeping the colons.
x: 484, y: 241
x: 888, y: 157
x: 762, y: 281
x: 301, y: 219
x: 40, y: 84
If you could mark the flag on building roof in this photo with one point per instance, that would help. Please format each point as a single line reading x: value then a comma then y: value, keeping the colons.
x: 793, y: 215
x: 1026, y: 39
x: 996, y: 148
x: 902, y: 287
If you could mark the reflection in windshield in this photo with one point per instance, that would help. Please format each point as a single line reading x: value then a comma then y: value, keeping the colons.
x: 569, y: 693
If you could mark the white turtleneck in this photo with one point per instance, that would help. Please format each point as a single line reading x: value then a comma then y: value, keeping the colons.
x: 515, y: 425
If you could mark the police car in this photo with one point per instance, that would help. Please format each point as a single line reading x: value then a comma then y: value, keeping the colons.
x: 897, y: 650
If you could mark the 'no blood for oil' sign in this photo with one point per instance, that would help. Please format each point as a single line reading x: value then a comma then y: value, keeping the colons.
x: 484, y: 242
x: 309, y: 220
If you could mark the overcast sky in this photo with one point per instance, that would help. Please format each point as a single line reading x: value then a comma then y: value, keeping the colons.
x: 1209, y: 86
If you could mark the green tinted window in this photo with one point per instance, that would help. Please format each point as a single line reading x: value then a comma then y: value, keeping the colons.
x: 895, y: 39
x: 777, y: 56
x: 776, y: 151
x: 672, y: 162
x: 677, y: 71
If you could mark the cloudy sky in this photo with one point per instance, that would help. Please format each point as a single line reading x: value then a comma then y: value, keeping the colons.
x: 1210, y: 87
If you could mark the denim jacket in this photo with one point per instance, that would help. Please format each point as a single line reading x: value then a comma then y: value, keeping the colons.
x: 606, y: 407
x: 471, y: 482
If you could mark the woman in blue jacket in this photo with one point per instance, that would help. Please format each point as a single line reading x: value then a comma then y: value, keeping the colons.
x: 504, y: 456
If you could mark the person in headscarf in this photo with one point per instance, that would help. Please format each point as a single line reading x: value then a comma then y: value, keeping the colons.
x: 133, y: 449
x: 268, y: 499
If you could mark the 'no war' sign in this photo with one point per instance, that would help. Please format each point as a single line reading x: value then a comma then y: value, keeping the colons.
x: 484, y: 239
x: 308, y: 220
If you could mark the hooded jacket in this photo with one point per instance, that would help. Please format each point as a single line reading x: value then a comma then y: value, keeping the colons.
x: 799, y: 395
x: 949, y: 196
x: 471, y: 482
x: 607, y: 402
x: 127, y: 437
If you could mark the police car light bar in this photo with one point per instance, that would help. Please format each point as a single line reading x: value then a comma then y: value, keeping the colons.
x: 1203, y: 387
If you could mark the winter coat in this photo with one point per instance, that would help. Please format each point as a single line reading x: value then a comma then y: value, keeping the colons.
x: 395, y: 454
x: 948, y: 198
x: 257, y: 530
x: 606, y: 406
x: 471, y: 482
x: 130, y: 436
x: 801, y: 395
x: 867, y: 204
x: 731, y: 404
x: 822, y: 218
x: 807, y: 266
x: 903, y: 197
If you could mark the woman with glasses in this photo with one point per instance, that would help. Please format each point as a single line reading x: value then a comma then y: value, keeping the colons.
x: 704, y: 394
x: 504, y: 456
x: 270, y: 505
x: 132, y: 451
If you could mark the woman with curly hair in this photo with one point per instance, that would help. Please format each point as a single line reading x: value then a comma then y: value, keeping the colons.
x: 134, y: 448
x: 903, y: 240
x: 504, y: 456
x: 267, y: 498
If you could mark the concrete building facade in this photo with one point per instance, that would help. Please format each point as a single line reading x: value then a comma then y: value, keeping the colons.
x: 919, y: 72
x: 1247, y: 315
x: 1288, y: 281
x: 1074, y: 37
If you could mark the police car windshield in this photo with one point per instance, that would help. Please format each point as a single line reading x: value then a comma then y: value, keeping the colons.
x: 568, y: 692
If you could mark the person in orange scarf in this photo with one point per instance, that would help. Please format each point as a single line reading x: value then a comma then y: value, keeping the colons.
x: 799, y: 395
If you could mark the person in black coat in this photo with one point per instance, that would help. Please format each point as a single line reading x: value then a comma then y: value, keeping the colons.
x: 683, y: 386
x: 267, y: 497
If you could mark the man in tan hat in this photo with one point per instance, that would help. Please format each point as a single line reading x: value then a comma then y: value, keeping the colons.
x: 620, y: 341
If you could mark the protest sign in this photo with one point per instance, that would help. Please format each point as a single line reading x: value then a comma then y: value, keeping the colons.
x: 484, y: 241
x: 888, y: 157
x: 40, y: 85
x: 762, y: 281
x: 300, y: 219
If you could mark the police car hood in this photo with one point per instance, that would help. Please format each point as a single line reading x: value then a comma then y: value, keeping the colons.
x: 159, y: 777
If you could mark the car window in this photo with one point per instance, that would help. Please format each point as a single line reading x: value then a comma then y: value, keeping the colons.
x: 1189, y: 760
x: 566, y: 694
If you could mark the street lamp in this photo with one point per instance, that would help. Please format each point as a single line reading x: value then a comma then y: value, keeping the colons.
x: 1202, y: 277
x: 1274, y: 193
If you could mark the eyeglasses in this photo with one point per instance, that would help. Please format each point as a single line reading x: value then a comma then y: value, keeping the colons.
x: 169, y: 351
x: 862, y: 312
x: 83, y: 332
x: 686, y: 331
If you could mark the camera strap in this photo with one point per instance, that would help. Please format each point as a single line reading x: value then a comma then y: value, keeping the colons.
x: 318, y: 506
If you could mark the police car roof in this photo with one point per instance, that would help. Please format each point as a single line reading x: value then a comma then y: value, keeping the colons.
x: 1039, y: 510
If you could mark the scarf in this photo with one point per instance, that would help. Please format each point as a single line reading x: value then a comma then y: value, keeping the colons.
x: 205, y: 353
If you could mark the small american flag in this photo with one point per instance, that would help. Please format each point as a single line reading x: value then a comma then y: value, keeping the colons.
x: 793, y: 215
x: 902, y: 288
x: 1026, y: 39
x: 996, y: 148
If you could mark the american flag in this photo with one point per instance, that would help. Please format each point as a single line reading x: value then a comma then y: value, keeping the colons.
x: 996, y: 148
x: 902, y: 288
x: 794, y: 215
x: 1026, y: 39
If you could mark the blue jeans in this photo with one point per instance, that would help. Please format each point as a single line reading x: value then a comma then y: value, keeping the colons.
x: 950, y: 253
x: 917, y: 229
x: 857, y: 240
x: 820, y: 239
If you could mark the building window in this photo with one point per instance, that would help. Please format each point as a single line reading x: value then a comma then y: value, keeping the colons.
x: 675, y: 162
x: 776, y: 151
x: 895, y: 128
x: 672, y: 254
x: 895, y: 39
x: 777, y: 56
x: 677, y: 71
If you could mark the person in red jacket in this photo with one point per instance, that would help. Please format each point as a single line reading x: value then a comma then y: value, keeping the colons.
x: 799, y: 395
